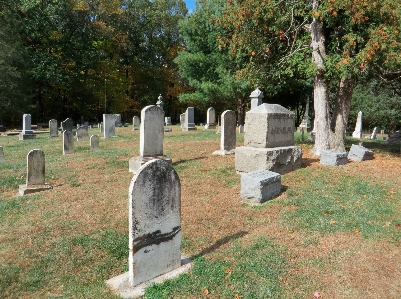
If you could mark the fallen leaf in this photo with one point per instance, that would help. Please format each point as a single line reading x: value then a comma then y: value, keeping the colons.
x: 398, y: 225
x: 332, y: 221
x: 206, y: 292
x: 292, y: 236
x: 363, y: 195
x: 228, y: 270
x: 207, y: 209
x: 237, y: 296
x: 387, y: 224
x: 317, y: 295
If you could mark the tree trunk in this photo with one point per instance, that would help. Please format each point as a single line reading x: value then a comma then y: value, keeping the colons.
x: 339, y: 119
x: 320, y: 89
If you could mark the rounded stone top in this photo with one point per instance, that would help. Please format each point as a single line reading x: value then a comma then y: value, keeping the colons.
x: 257, y: 93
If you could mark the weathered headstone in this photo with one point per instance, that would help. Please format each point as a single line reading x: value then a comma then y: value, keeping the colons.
x: 67, y: 125
x: 394, y: 138
x: 167, y: 121
x: 94, y: 143
x: 82, y: 133
x: 268, y: 141
x: 210, y: 119
x: 86, y: 124
x: 35, y: 178
x: 27, y: 132
x: 101, y: 127
x: 151, y: 138
x: 228, y: 133
x: 358, y: 127
x: 182, y: 121
x: 241, y: 129
x: 109, y: 125
x: 2, y: 159
x: 333, y: 158
x: 359, y: 153
x: 256, y: 98
x: 374, y: 133
x: 68, y: 142
x: 189, y: 124
x: 260, y: 185
x: 117, y: 118
x: 53, y: 128
x: 136, y: 122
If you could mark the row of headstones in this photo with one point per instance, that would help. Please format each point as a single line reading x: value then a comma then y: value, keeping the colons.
x: 357, y: 153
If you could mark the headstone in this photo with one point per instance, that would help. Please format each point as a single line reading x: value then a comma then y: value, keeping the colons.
x: 374, y: 133
x: 109, y: 125
x: 82, y: 133
x: 256, y: 98
x: 305, y: 124
x: 35, y: 178
x: 27, y: 132
x: 168, y: 130
x: 118, y: 120
x: 67, y: 125
x: 160, y: 102
x: 53, y: 128
x: 68, y: 142
x: 151, y: 138
x: 94, y: 143
x: 228, y: 134
x: 2, y: 159
x: 210, y: 119
x: 136, y: 122
x: 268, y: 141
x: 333, y: 158
x: 359, y: 153
x: 189, y: 123
x: 126, y: 125
x: 241, y: 129
x: 101, y: 127
x: 182, y: 121
x: 86, y: 124
x: 167, y: 121
x: 394, y: 138
x: 218, y: 131
x: 358, y: 127
x: 260, y: 185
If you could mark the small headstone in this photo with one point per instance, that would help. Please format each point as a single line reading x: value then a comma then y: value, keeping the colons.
x: 333, y: 158
x: 126, y: 125
x: 117, y: 118
x: 210, y: 119
x: 136, y: 122
x: 256, y: 98
x: 260, y: 185
x: 82, y: 133
x: 101, y: 127
x: 358, y: 127
x: 167, y: 121
x: 374, y: 133
x: 359, y: 153
x: 94, y: 143
x: 86, y: 124
x: 53, y: 128
x: 2, y: 159
x: 241, y: 129
x: 109, y: 125
x: 35, y: 178
x: 168, y: 130
x: 228, y: 134
x: 189, y: 124
x: 182, y: 120
x: 67, y: 125
x: 218, y: 131
x: 68, y: 142
x: 27, y: 132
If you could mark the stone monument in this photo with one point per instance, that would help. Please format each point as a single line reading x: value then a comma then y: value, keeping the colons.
x: 256, y: 98
x: 374, y: 133
x: 160, y: 102
x: 210, y: 119
x: 94, y: 143
x: 82, y: 133
x: 358, y: 127
x: 27, y: 132
x: 67, y: 125
x: 260, y: 185
x: 68, y: 142
x: 182, y: 121
x: 53, y: 128
x: 109, y: 125
x: 189, y: 124
x: 228, y: 134
x: 359, y: 153
x: 136, y: 122
x: 333, y: 158
x: 167, y: 121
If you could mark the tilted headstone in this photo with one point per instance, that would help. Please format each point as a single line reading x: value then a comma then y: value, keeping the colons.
x: 167, y: 121
x: 333, y: 158
x: 35, y: 178
x: 358, y: 127
x: 260, y: 185
x: 189, y: 123
x: 256, y: 98
x: 94, y: 143
x: 359, y: 153
x: 182, y: 120
x: 82, y: 133
x: 68, y: 142
x: 67, y: 125
x: 210, y: 119
x: 2, y: 159
x: 136, y: 122
x: 27, y: 132
x: 53, y: 128
x: 109, y: 125
x: 228, y: 133
x: 241, y: 129
x: 374, y: 133
x: 154, y: 221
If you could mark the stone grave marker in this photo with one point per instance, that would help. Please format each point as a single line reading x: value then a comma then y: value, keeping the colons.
x: 53, y: 128
x: 67, y: 125
x: 358, y: 127
x: 189, y: 124
x: 359, y: 153
x: 27, y: 132
x: 260, y: 185
x: 94, y: 143
x: 109, y: 125
x: 117, y: 118
x: 68, y: 142
x: 35, y: 178
x: 167, y: 121
x: 305, y: 123
x: 182, y: 121
x: 101, y: 127
x: 82, y: 133
x: 160, y: 102
x: 374, y: 133
x: 241, y: 129
x: 228, y: 133
x: 256, y: 98
x: 333, y: 158
x: 2, y: 159
x: 210, y: 119
x: 136, y: 122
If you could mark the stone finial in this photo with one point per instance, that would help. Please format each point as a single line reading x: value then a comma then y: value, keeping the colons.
x: 160, y: 102
x: 256, y: 98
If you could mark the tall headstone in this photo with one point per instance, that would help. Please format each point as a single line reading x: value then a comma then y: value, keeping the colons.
x: 268, y: 141
x: 151, y: 138
x: 210, y: 119
x: 27, y: 132
x: 82, y: 133
x: 136, y: 122
x: 35, y: 178
x: 358, y: 126
x: 101, y: 127
x: 67, y: 125
x: 68, y: 142
x: 167, y: 121
x: 94, y: 143
x: 53, y: 128
x: 2, y: 159
x: 374, y: 133
x: 256, y: 98
x: 189, y: 124
x: 109, y: 125
x: 228, y: 133
x: 182, y: 121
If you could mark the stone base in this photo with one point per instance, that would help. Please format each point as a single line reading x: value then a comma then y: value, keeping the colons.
x: 136, y: 162
x: 24, y: 189
x: 120, y: 284
x: 210, y: 127
x: 278, y: 159
x: 359, y: 153
x: 224, y: 152
x: 333, y: 158
x: 185, y: 129
x: 168, y: 130
x: 26, y: 136
x: 260, y: 185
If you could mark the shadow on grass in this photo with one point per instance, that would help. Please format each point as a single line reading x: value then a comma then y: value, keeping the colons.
x: 187, y: 160
x: 219, y: 243
x: 307, y: 162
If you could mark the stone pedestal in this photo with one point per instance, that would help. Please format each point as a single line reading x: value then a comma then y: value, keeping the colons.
x: 136, y: 162
x: 359, y: 153
x: 260, y: 185
x: 333, y: 158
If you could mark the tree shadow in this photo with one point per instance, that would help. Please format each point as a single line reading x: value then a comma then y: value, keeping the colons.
x: 219, y: 243
x: 307, y: 162
x: 181, y: 161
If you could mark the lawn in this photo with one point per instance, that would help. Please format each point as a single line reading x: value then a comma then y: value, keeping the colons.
x: 335, y: 230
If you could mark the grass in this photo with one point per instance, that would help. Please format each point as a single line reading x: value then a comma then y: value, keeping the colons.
x: 336, y: 230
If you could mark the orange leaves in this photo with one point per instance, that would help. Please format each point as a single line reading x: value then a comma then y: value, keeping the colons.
x: 206, y: 292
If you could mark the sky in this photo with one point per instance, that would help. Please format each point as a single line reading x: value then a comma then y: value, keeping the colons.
x: 190, y: 5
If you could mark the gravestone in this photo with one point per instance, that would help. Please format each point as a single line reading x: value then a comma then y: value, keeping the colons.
x: 160, y: 102
x: 374, y: 133
x: 150, y: 139
x: 189, y: 124
x: 333, y: 158
x: 359, y: 153
x: 100, y: 126
x: 67, y: 125
x: 260, y: 185
x: 210, y: 119
x: 182, y: 121
x: 53, y: 128
x: 228, y: 134
x: 167, y: 121
x: 82, y: 133
x: 268, y: 141
x: 394, y: 138
x: 118, y: 120
x: 241, y: 129
x: 305, y: 123
x: 2, y: 159
x: 27, y: 132
x: 68, y: 142
x: 168, y: 130
x: 358, y: 127
x: 256, y: 98
x: 86, y: 124
x: 35, y: 178
x: 136, y: 122
x: 94, y: 143
x: 109, y: 125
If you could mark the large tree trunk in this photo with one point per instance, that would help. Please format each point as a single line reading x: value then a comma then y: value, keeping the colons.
x: 339, y: 119
x: 320, y: 89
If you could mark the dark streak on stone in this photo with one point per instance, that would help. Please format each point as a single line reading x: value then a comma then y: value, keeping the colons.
x: 154, y: 238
